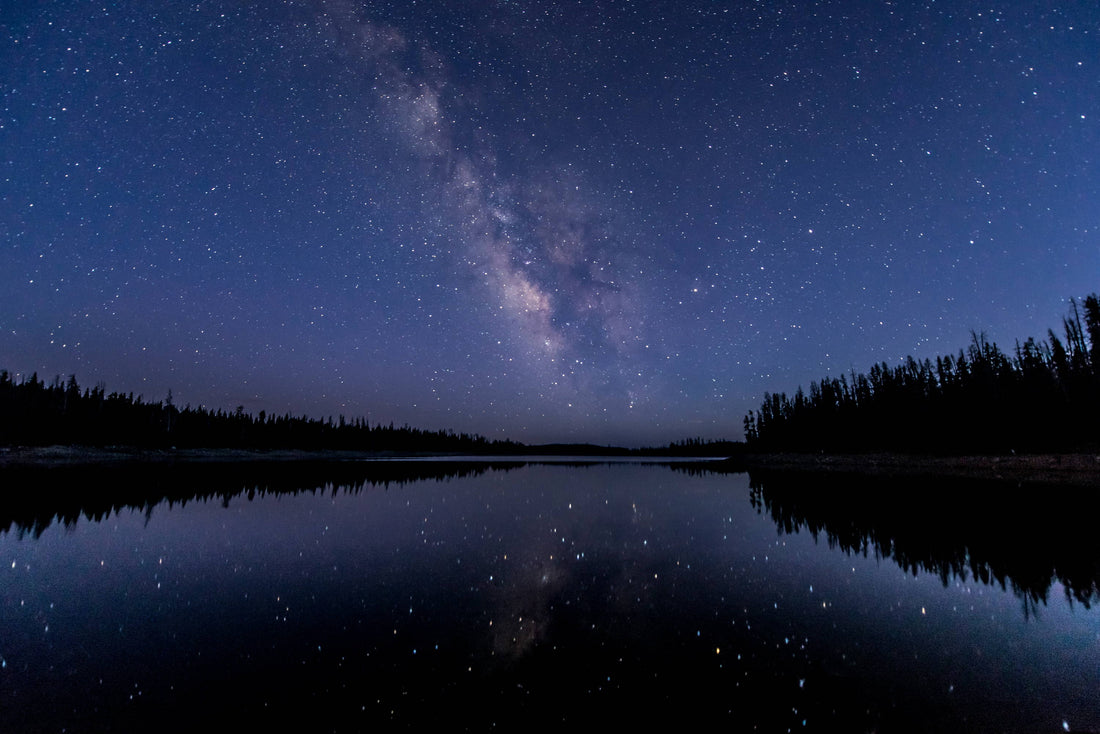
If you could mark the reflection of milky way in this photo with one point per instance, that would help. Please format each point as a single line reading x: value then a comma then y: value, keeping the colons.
x: 591, y: 570
x: 525, y: 607
x: 538, y: 244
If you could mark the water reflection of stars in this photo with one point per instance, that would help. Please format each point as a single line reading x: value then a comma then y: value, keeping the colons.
x: 525, y: 603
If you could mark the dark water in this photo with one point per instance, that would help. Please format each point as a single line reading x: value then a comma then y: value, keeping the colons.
x: 513, y: 595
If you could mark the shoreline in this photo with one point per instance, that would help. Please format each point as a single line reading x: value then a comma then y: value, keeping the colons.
x: 56, y: 456
x: 1061, y: 468
x: 75, y: 456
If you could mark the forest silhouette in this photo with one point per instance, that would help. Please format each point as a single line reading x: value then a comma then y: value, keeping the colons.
x: 1043, y: 397
x: 61, y: 413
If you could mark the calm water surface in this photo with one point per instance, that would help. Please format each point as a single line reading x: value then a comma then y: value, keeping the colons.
x: 508, y: 595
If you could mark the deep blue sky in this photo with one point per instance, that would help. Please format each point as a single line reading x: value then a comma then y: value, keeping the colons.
x: 618, y: 222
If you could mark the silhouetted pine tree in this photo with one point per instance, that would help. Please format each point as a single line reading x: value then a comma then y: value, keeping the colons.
x: 1046, y: 397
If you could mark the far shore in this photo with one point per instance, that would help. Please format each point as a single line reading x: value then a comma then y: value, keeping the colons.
x: 46, y: 456
x: 70, y: 456
x: 1062, y: 468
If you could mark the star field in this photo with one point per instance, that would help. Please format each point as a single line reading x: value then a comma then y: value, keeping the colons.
x: 597, y: 221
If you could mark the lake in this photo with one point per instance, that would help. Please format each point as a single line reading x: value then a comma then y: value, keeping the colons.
x: 390, y: 595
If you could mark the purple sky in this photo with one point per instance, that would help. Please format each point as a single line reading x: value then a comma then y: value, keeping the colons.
x: 597, y: 221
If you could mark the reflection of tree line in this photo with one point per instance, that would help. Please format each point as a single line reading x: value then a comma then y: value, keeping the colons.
x: 35, y: 497
x: 955, y: 529
x: 1044, y: 397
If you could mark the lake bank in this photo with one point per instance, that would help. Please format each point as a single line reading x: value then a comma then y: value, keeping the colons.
x: 45, y: 456
x: 1080, y: 469
x: 76, y: 456
x: 1064, y: 468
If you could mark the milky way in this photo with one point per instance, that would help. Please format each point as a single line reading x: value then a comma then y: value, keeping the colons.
x: 534, y: 242
x: 603, y: 221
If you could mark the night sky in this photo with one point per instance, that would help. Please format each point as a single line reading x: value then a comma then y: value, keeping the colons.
x: 618, y: 222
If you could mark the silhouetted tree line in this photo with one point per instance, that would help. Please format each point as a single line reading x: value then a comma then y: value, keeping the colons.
x: 698, y: 447
x: 947, y: 527
x: 1045, y: 396
x: 34, y: 413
